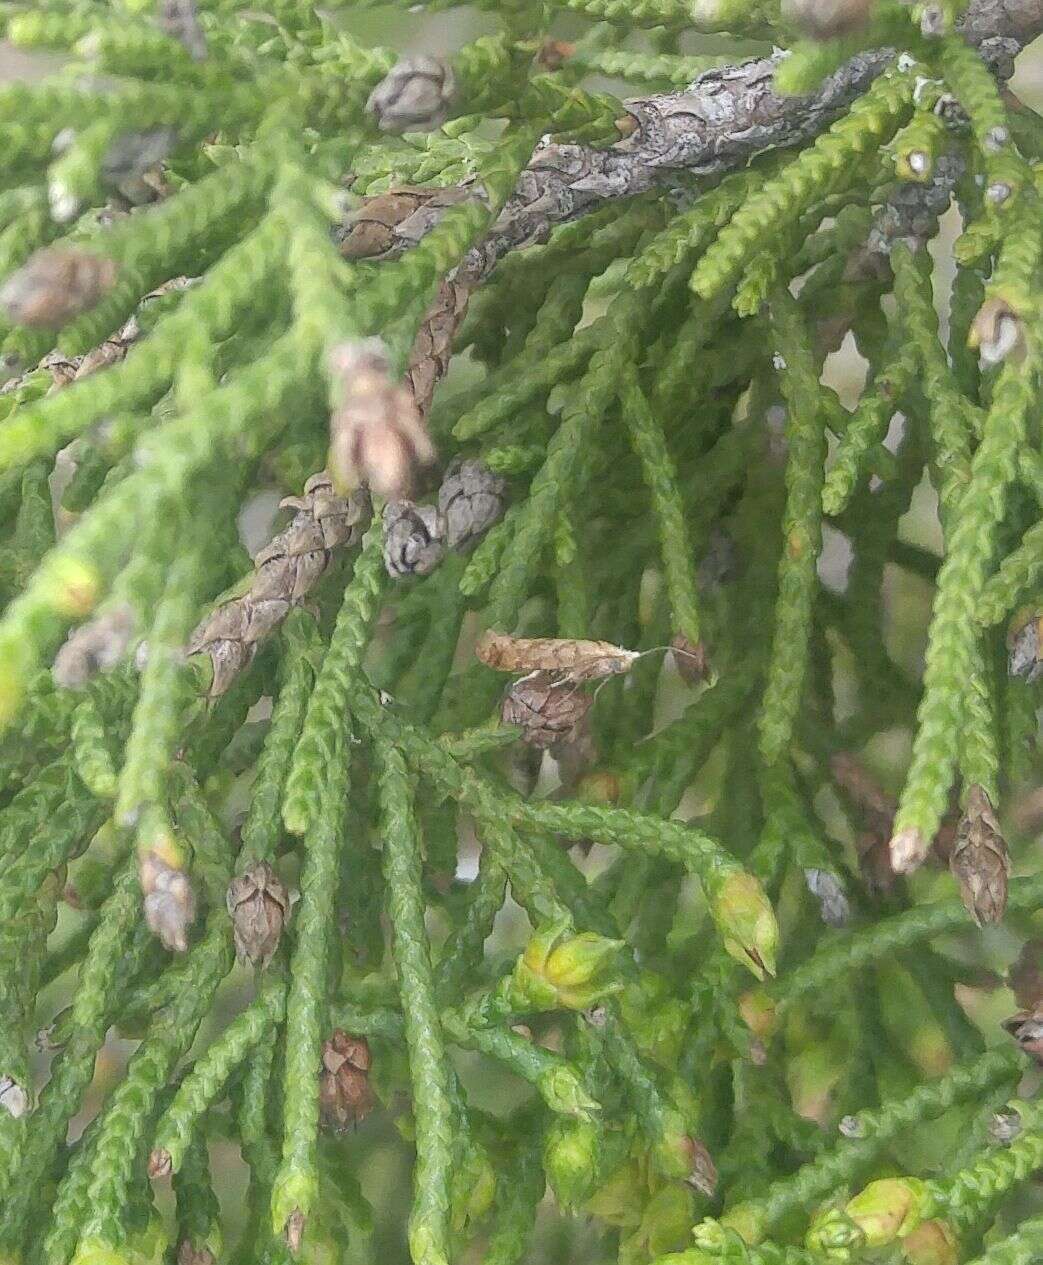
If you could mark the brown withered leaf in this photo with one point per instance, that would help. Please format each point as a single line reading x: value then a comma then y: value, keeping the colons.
x: 546, y: 707
x: 577, y: 659
x: 979, y: 861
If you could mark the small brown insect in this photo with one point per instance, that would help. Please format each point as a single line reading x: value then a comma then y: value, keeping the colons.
x: 376, y: 435
x: 56, y: 285
x: 574, y: 659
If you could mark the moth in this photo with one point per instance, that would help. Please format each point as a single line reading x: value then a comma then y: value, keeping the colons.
x: 575, y: 659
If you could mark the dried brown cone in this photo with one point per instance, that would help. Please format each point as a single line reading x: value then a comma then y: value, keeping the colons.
x: 95, y: 646
x: 170, y: 903
x: 377, y: 436
x: 286, y: 571
x: 471, y: 501
x: 1023, y: 647
x: 259, y: 905
x: 159, y: 1163
x: 547, y: 708
x: 389, y: 223
x: 1026, y: 1027
x: 414, y: 538
x: 415, y: 95
x: 980, y: 861
x: 55, y: 285
x: 345, y: 1094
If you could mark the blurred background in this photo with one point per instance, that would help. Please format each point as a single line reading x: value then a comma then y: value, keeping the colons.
x: 375, y: 1152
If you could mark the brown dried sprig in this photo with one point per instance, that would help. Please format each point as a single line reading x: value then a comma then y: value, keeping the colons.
x: 980, y: 861
x: 286, y: 571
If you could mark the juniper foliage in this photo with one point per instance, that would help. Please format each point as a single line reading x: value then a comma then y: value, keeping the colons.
x: 542, y: 372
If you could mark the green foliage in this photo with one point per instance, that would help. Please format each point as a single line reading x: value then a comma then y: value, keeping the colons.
x: 571, y: 358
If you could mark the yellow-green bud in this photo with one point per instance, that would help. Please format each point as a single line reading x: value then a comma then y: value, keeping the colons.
x: 833, y: 1233
x: 563, y: 1092
x: 560, y: 969
x: 747, y: 1220
x: 570, y: 1160
x: 889, y: 1209
x: 931, y: 1243
x: 474, y: 1188
x: 746, y: 921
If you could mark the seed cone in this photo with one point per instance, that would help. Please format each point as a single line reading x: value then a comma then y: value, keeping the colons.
x: 258, y: 904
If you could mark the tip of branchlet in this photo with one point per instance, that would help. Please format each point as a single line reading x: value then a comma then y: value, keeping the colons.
x: 294, y: 1230
x: 377, y: 435
x: 14, y: 1098
x: 96, y: 646
x: 998, y: 333
x: 979, y: 860
x: 159, y: 1163
x: 170, y: 905
x: 908, y: 850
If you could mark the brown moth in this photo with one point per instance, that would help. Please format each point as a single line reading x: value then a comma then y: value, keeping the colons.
x: 575, y: 659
